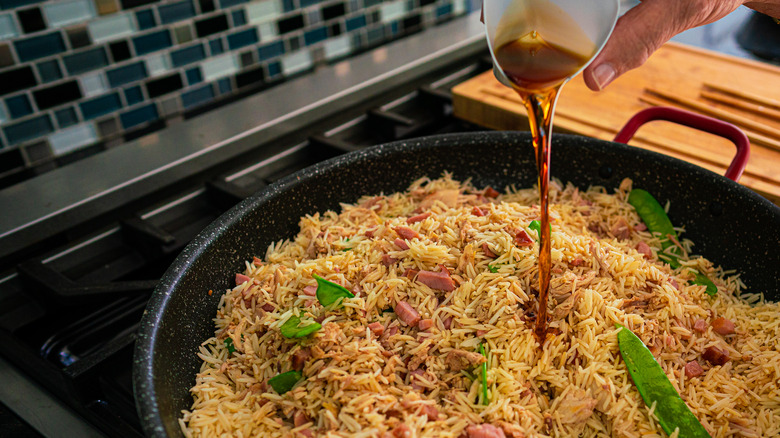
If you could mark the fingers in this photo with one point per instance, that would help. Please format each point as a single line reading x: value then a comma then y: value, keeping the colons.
x: 637, y: 34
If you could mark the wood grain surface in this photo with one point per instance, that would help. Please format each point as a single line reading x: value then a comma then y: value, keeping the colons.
x: 677, y: 70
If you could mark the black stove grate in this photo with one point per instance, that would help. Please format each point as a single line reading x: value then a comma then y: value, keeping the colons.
x: 68, y: 316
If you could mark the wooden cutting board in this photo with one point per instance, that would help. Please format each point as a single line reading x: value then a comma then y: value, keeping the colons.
x: 676, y: 69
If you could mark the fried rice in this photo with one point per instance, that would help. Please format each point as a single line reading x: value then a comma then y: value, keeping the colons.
x: 375, y: 368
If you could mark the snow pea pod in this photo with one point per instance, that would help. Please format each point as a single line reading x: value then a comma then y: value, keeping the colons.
x: 655, y: 387
x: 284, y: 382
x: 483, y: 374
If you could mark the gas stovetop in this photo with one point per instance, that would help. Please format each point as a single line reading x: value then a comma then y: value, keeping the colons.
x: 83, y: 246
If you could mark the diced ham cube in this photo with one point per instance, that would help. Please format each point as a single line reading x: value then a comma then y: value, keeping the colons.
x: 402, y: 431
x: 723, y: 326
x: 484, y: 430
x: 640, y: 226
x: 715, y: 355
x: 674, y: 284
x: 376, y: 328
x: 406, y: 233
x: 410, y: 273
x: 418, y: 218
x: 437, y: 280
x: 401, y: 243
x: 447, y: 322
x: 577, y: 262
x: 644, y: 249
x: 407, y: 314
x: 700, y: 326
x: 522, y: 238
x: 488, y: 253
x: 457, y: 360
x: 241, y: 279
x: 299, y: 358
x: 620, y: 229
x: 425, y: 324
x: 476, y: 211
x: 256, y: 261
x: 430, y: 411
x: 693, y: 369
x: 268, y: 307
x: 388, y: 260
x: 310, y: 291
x: 490, y: 192
x: 415, y: 377
x: 481, y: 333
x: 370, y: 232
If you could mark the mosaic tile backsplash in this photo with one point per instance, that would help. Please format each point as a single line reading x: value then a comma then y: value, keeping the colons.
x: 77, y: 76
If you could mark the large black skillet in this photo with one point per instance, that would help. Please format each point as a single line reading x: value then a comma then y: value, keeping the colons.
x: 730, y: 224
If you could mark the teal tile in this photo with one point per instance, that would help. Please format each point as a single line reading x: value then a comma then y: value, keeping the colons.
x: 28, y: 130
x: 100, y: 106
x: 85, y: 61
x: 49, y: 71
x: 187, y: 55
x: 19, y: 106
x: 242, y: 39
x: 174, y: 12
x: 134, y: 95
x: 197, y: 97
x: 7, y: 27
x: 64, y: 13
x: 72, y: 138
x: 125, y: 75
x: 145, y: 19
x: 112, y: 27
x: 66, y: 117
x: 194, y: 76
x: 152, y: 42
x: 139, y: 116
x: 39, y: 47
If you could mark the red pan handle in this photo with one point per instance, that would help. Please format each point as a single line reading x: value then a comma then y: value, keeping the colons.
x: 696, y: 121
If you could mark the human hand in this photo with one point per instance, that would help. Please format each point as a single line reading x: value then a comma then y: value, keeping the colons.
x: 644, y: 28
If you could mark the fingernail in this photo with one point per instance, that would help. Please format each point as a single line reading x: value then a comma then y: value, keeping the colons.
x: 603, y: 75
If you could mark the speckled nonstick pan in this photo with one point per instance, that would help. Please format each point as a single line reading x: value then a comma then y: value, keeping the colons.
x: 730, y: 224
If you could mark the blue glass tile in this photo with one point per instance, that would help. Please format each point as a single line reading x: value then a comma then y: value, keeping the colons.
x: 242, y: 39
x: 40, y: 46
x: 100, y: 106
x: 356, y: 22
x: 133, y: 95
x: 368, y: 3
x: 126, y: 74
x: 176, y: 11
x: 394, y: 28
x: 194, y: 76
x: 274, y: 69
x: 152, y: 42
x: 272, y: 50
x: 187, y: 55
x: 443, y: 10
x: 224, y: 86
x: 197, y: 97
x: 85, y: 61
x: 239, y: 18
x: 18, y: 106
x: 66, y: 117
x: 315, y: 35
x: 145, y: 19
x: 216, y: 47
x: 7, y: 27
x: 49, y: 71
x: 138, y: 116
x: 28, y: 130
x: 228, y: 3
x: 289, y: 5
x: 8, y: 4
x: 305, y: 3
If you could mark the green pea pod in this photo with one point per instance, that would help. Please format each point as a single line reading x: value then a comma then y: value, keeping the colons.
x: 329, y: 292
x: 536, y: 226
x: 654, y: 216
x: 229, y: 344
x: 655, y: 387
x: 292, y: 328
x: 284, y: 382
x: 483, y: 372
x: 702, y: 280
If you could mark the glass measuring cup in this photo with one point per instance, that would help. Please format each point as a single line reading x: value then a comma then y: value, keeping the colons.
x: 578, y: 26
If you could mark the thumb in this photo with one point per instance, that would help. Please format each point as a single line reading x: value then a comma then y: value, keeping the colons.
x: 637, y: 34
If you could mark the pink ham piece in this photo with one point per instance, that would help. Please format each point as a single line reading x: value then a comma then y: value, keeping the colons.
x: 425, y: 324
x: 490, y: 192
x: 620, y: 229
x: 437, y: 280
x: 487, y: 251
x: 577, y: 262
x: 476, y: 211
x: 715, y: 355
x: 370, y: 232
x: 418, y: 218
x: 447, y: 322
x: 299, y: 358
x: 640, y: 226
x: 401, y: 244
x: 700, y: 326
x: 523, y: 239
x: 241, y: 279
x: 410, y: 273
x: 484, y: 431
x: 723, y: 326
x: 310, y: 291
x: 402, y: 431
x: 256, y: 261
x: 268, y: 307
x: 407, y: 314
x: 414, y: 377
x: 406, y: 233
x: 388, y: 260
x: 376, y: 328
x: 644, y: 249
x: 693, y: 369
x: 430, y: 411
